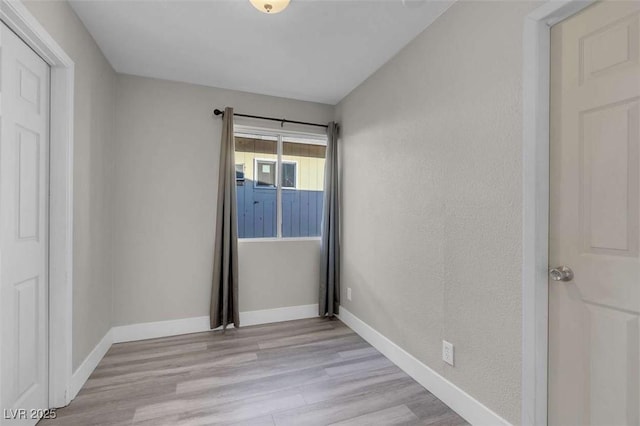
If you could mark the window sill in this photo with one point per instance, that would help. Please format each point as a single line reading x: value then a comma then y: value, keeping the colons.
x: 279, y: 240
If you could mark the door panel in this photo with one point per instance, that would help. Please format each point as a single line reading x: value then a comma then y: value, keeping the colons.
x: 28, y: 183
x: 26, y: 298
x: 594, y: 333
x: 609, y: 188
x: 24, y: 142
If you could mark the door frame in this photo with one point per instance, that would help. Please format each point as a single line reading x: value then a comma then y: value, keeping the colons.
x: 535, y: 221
x: 18, y: 18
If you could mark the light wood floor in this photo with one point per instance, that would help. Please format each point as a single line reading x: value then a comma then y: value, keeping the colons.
x: 307, y: 372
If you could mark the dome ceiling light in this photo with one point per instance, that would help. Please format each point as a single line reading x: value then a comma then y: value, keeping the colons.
x: 270, y: 6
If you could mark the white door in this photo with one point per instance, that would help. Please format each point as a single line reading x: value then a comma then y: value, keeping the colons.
x: 24, y: 157
x: 594, y: 322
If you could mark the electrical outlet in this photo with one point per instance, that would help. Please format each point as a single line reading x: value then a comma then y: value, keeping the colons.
x: 349, y: 293
x: 447, y: 352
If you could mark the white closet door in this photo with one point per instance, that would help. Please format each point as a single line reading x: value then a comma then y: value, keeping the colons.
x: 24, y: 159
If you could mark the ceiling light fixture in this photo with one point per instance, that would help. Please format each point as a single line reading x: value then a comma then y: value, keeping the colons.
x: 270, y: 6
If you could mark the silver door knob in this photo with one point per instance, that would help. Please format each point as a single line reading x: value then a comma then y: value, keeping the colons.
x: 561, y: 273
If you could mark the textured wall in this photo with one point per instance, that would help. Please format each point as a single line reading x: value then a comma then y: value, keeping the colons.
x: 95, y: 84
x: 431, y: 190
x: 165, y: 193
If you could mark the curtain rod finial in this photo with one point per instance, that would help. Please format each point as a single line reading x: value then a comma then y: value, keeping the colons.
x: 218, y: 112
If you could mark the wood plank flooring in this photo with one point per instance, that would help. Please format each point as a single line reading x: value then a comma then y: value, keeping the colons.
x: 307, y: 372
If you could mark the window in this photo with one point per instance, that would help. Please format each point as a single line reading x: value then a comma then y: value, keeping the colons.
x: 266, y: 173
x: 240, y: 174
x: 289, y: 170
x: 279, y: 183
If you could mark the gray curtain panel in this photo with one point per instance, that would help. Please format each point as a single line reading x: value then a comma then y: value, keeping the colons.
x: 224, y: 291
x: 330, y: 266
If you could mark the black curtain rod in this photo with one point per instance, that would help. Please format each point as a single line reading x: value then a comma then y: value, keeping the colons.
x: 279, y: 120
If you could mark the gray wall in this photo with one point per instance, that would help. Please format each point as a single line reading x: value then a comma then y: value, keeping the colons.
x: 165, y: 193
x: 431, y: 191
x: 278, y: 274
x: 95, y: 84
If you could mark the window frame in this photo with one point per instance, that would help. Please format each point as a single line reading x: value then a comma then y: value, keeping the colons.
x: 282, y: 136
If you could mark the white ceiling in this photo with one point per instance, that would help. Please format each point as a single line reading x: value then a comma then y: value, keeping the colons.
x: 315, y: 50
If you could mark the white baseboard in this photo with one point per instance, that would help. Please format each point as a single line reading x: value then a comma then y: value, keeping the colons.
x: 152, y: 330
x: 289, y: 313
x: 89, y: 364
x: 461, y: 402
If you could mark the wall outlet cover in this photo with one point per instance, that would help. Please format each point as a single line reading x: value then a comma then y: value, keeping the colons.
x: 447, y: 352
x: 349, y: 293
